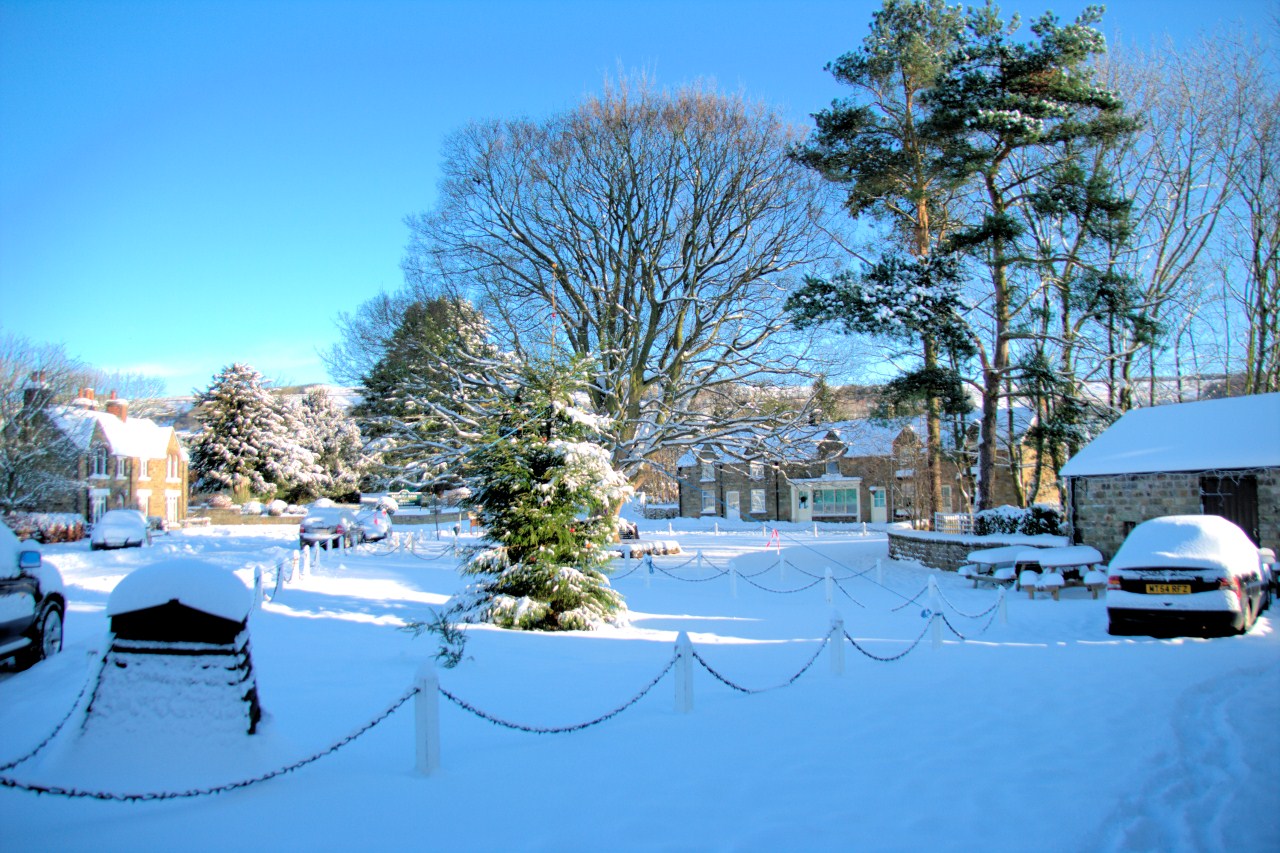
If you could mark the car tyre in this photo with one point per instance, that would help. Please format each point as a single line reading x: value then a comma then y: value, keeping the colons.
x: 46, y: 637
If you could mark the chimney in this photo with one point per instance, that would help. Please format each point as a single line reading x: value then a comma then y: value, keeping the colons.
x: 87, y: 393
x: 119, y: 408
x: 37, y: 392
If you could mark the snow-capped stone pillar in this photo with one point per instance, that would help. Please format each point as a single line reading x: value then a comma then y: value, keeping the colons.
x: 684, y: 674
x: 935, y: 615
x: 828, y: 583
x: 426, y: 708
x: 836, y: 641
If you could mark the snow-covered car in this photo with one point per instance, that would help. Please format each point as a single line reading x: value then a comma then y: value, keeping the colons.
x: 32, y: 602
x: 120, y: 528
x: 1182, y: 574
x: 375, y: 525
x: 328, y: 525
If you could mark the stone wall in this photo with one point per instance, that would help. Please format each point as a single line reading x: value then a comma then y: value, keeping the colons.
x: 948, y: 551
x: 1102, y: 510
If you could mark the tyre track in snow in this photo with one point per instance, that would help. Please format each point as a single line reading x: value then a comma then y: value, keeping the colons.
x: 1203, y: 793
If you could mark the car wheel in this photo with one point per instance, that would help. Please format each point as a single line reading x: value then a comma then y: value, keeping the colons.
x: 46, y: 639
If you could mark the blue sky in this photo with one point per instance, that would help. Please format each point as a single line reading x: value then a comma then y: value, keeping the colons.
x: 188, y: 184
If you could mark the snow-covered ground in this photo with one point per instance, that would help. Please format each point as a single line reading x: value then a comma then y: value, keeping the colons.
x: 1039, y: 734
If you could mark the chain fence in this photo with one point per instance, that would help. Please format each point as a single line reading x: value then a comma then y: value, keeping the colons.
x: 741, y: 689
x: 556, y: 730
x: 151, y: 796
x: 900, y: 655
x: 809, y: 585
x: 981, y: 630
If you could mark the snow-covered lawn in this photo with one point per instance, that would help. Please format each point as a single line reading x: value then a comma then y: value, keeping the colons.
x: 1040, y: 734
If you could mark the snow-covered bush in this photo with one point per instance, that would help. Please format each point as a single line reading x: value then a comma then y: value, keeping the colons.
x: 387, y: 503
x: 277, y: 507
x: 221, y: 502
x: 1007, y: 520
x: 251, y: 508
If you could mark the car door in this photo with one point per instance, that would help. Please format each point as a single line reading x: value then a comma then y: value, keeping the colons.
x: 17, y: 605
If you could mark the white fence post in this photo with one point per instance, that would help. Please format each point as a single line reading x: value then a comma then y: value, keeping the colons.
x: 670, y: 531
x: 648, y: 570
x: 297, y: 564
x: 829, y: 582
x: 815, y: 530
x: 315, y: 554
x: 864, y: 528
x: 934, y: 615
x: 426, y: 707
x: 257, y: 585
x: 782, y: 566
x: 684, y: 674
x: 306, y: 561
x: 837, y: 642
x: 717, y: 528
x: 279, y: 581
x: 733, y: 580
x: 1004, y: 608
x: 698, y: 556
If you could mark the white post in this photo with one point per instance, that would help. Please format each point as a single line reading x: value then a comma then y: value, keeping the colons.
x: 315, y: 555
x: 829, y: 583
x: 934, y: 614
x: 279, y: 581
x: 670, y: 532
x: 648, y: 570
x: 426, y: 707
x: 699, y: 558
x: 764, y: 531
x: 837, y: 642
x: 684, y: 674
x: 306, y: 561
x: 733, y: 580
x: 782, y: 566
x: 879, y: 571
x: 257, y: 586
x: 1004, y: 608
x: 281, y: 565
x: 717, y: 528
x: 864, y: 528
x: 297, y: 565
x: 815, y: 530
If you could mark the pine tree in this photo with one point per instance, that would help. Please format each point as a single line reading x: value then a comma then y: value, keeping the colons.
x: 543, y: 488
x: 334, y: 441
x: 249, y: 439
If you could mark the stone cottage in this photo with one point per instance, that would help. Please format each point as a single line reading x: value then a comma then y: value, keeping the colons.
x: 1212, y: 457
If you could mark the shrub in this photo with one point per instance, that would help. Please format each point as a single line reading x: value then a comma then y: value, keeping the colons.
x: 1037, y: 520
x: 221, y: 502
x: 1041, y: 519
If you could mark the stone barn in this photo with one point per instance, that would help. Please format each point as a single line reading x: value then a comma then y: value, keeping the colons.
x: 1212, y: 457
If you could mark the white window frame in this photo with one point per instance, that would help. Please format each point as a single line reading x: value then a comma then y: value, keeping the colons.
x: 172, y: 471
x: 122, y: 467
x: 708, y: 501
x: 708, y: 472
x: 98, y: 462
x: 755, y: 470
x: 171, y: 497
x: 97, y: 503
x: 757, y: 502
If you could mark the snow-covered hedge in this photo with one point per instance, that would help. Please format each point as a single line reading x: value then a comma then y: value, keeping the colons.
x: 251, y: 508
x: 277, y: 507
x: 221, y: 502
x: 47, y: 526
x: 1036, y: 520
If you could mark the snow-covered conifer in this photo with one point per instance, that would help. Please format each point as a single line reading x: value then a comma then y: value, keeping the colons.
x: 544, y: 489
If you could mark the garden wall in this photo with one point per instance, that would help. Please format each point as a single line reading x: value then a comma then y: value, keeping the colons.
x: 950, y: 551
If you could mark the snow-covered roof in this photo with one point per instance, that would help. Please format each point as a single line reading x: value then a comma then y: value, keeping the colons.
x: 1187, y: 542
x: 1209, y: 435
x: 195, y: 583
x: 136, y: 437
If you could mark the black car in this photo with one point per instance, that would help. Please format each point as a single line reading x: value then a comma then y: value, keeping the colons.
x: 32, y: 602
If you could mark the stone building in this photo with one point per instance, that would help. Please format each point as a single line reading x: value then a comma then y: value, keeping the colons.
x: 1213, y: 457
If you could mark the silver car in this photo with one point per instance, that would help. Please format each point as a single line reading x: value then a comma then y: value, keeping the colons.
x: 120, y: 528
x: 375, y: 525
x: 329, y: 526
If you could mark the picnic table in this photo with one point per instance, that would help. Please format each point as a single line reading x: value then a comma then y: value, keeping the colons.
x: 1050, y: 569
x: 995, y: 565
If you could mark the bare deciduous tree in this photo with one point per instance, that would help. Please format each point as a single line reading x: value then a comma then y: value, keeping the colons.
x: 659, y: 231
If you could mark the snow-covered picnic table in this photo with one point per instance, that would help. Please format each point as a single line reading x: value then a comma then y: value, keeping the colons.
x: 1050, y: 569
x: 996, y: 565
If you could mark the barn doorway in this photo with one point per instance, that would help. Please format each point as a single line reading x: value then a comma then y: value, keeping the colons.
x: 1233, y: 498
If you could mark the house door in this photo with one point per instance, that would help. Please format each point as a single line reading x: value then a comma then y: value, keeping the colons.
x: 732, y: 505
x: 879, y: 506
x: 804, y: 505
x: 1233, y: 498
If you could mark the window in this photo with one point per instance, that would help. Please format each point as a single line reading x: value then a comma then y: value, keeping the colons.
x: 878, y: 498
x: 98, y: 462
x: 945, y: 506
x: 835, y: 502
x: 708, y: 472
x: 833, y: 469
x: 757, y: 500
x: 732, y: 505
x: 708, y: 502
x: 756, y: 470
x: 171, y: 469
x: 122, y: 468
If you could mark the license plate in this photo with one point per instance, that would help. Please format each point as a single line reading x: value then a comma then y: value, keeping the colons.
x: 1168, y: 589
